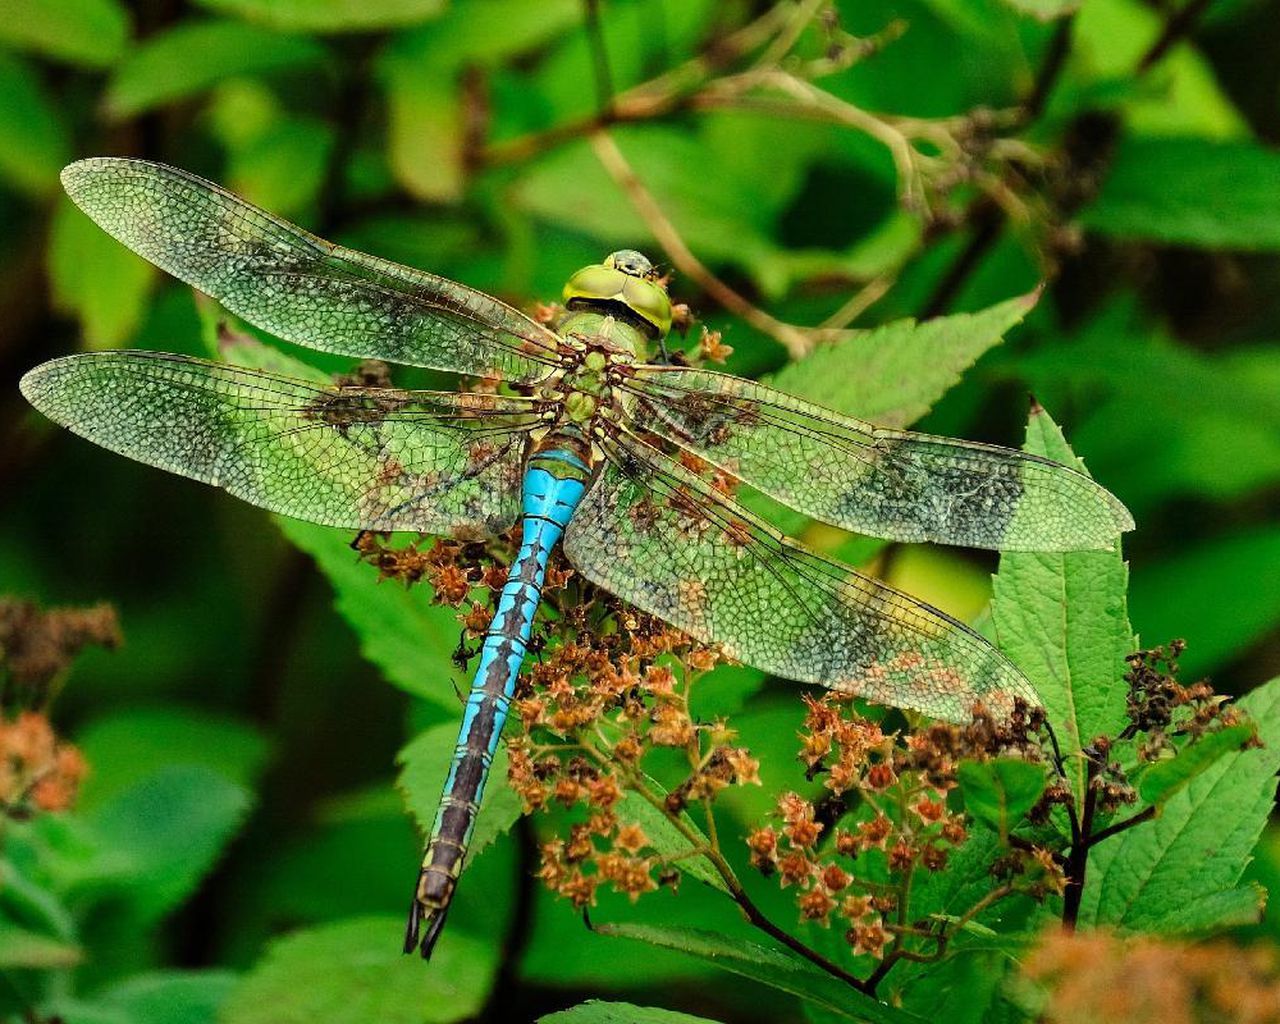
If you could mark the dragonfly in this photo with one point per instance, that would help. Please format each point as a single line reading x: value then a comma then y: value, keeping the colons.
x: 593, y: 443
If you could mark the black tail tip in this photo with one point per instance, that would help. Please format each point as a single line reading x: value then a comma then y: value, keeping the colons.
x: 415, y: 937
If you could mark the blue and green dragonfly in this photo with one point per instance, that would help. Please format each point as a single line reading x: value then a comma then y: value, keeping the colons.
x: 622, y: 457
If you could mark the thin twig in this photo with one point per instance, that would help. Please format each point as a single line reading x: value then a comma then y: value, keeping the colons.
x: 1145, y: 814
x: 795, y: 340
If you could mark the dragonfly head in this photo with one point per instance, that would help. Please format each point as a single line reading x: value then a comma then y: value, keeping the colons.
x: 627, y: 280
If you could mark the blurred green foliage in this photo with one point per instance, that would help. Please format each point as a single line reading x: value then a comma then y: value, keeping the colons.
x: 239, y: 840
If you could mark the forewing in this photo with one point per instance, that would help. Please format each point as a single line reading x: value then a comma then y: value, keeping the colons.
x: 299, y: 287
x: 886, y: 483
x: 659, y: 537
x: 355, y: 457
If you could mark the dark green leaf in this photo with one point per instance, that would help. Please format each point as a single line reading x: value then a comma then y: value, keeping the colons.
x: 1217, y: 195
x: 91, y: 32
x: 170, y: 997
x: 1152, y: 875
x: 33, y: 140
x: 195, y: 56
x: 1045, y: 10
x: 1000, y: 792
x: 126, y: 747
x: 424, y: 766
x: 773, y: 967
x: 1061, y: 617
x: 893, y: 374
x: 1165, y: 778
x: 329, y: 15
x: 161, y: 836
x: 353, y: 972
x: 598, y: 1012
x: 1204, y: 594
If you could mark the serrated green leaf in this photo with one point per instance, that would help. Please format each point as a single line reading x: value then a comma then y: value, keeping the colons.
x: 1200, y: 914
x: 1000, y: 792
x: 195, y: 56
x: 1200, y: 843
x: 1163, y: 779
x: 20, y: 948
x: 400, y: 630
x: 598, y: 1012
x: 1061, y: 617
x: 161, y: 836
x: 424, y: 766
x: 34, y: 143
x: 773, y: 967
x: 1214, y: 195
x: 664, y: 837
x: 125, y: 747
x: 90, y: 32
x: 893, y: 374
x: 329, y: 15
x: 95, y: 278
x: 353, y: 972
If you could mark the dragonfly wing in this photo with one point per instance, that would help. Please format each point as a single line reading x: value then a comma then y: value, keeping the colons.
x: 886, y: 483
x: 658, y: 536
x: 300, y: 287
x: 355, y: 457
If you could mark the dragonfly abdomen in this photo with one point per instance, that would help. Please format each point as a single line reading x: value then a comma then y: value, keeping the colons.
x: 553, y: 486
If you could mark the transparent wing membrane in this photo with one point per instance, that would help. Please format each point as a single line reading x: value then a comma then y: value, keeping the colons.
x: 886, y: 483
x: 299, y: 287
x: 354, y: 457
x: 660, y: 537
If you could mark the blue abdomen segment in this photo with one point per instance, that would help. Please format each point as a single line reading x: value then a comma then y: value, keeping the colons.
x: 553, y: 486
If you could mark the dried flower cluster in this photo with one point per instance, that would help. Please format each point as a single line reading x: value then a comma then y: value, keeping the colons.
x: 36, y: 646
x: 38, y: 772
x: 851, y: 853
x: 1161, y: 708
x: 1100, y: 978
x: 592, y: 712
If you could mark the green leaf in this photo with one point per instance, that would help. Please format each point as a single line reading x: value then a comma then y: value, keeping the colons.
x: 1198, y: 914
x: 421, y: 73
x: 1227, y: 617
x: 1150, y: 876
x: 596, y: 1011
x: 400, y: 630
x: 161, y: 836
x: 1000, y: 792
x: 195, y: 56
x: 34, y: 143
x: 353, y: 972
x: 1165, y: 778
x: 126, y: 747
x: 424, y: 766
x: 664, y: 837
x: 1215, y: 195
x: 95, y: 278
x: 1179, y: 96
x: 90, y: 32
x: 170, y: 997
x: 329, y: 15
x: 773, y: 967
x: 283, y: 168
x: 1061, y: 618
x: 20, y: 948
x: 893, y: 374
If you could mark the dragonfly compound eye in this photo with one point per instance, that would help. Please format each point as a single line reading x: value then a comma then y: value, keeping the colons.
x: 630, y: 262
